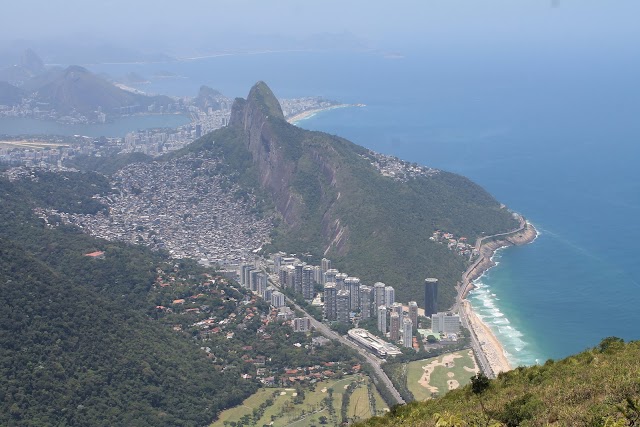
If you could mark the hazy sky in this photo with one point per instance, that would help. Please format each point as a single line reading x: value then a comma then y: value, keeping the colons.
x: 172, y: 23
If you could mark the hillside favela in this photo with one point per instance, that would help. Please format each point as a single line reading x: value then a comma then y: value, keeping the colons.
x: 275, y: 213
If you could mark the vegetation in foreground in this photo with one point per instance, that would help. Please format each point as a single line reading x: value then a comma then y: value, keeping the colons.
x: 598, y: 387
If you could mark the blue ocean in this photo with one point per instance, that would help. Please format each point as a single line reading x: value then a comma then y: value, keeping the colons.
x: 554, y: 135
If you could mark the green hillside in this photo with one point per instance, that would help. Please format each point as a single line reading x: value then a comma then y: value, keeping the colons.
x: 77, y: 347
x: 598, y: 387
x: 125, y: 336
x: 333, y: 202
x: 76, y: 88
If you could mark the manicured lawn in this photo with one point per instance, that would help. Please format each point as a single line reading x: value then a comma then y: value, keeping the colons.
x: 284, y: 413
x: 440, y: 375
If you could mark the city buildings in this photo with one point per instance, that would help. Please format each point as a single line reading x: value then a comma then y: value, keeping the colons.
x: 277, y: 299
x: 330, y: 275
x: 330, y: 301
x: 297, y: 283
x: 373, y: 343
x: 430, y: 296
x: 343, y: 300
x: 340, y: 278
x: 352, y: 285
x: 413, y: 313
x: 378, y: 295
x: 325, y: 264
x: 396, y: 307
x: 445, y: 323
x: 307, y: 282
x: 389, y: 296
x: 301, y: 324
x: 382, y: 319
x: 407, y: 332
x: 366, y: 302
x: 394, y: 327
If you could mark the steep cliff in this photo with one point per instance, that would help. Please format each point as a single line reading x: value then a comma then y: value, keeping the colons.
x: 335, y: 201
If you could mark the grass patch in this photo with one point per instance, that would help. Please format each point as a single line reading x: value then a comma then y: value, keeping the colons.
x: 440, y: 375
x: 284, y: 412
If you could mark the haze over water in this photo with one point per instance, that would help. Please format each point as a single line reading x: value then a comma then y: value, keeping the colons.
x: 553, y: 137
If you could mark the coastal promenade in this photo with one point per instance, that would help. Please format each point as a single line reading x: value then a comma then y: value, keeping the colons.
x: 489, y: 351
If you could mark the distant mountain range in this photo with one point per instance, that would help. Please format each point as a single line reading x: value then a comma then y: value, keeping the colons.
x: 72, y: 89
x: 76, y: 88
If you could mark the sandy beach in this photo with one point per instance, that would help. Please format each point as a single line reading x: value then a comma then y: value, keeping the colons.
x: 310, y: 113
x: 489, y: 343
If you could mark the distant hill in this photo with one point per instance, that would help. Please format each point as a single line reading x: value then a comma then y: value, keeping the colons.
x: 76, y: 88
x: 598, y: 387
x: 9, y: 94
x: 209, y: 98
x: 333, y: 201
x: 30, y: 65
x: 32, y: 62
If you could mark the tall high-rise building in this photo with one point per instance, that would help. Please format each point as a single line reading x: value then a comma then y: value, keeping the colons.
x: 413, y: 313
x: 254, y: 279
x: 352, y: 285
x: 261, y: 283
x: 277, y: 299
x: 317, y: 274
x: 382, y: 319
x: 340, y: 278
x: 430, y: 296
x: 396, y: 307
x: 389, y: 295
x: 407, y: 332
x: 245, y: 276
x: 325, y: 264
x: 282, y: 275
x: 366, y: 302
x: 330, y: 307
x: 297, y: 283
x: 267, y: 294
x: 447, y: 323
x: 330, y: 275
x: 307, y: 282
x: 378, y: 295
x: 342, y: 306
x: 394, y: 327
x: 291, y: 278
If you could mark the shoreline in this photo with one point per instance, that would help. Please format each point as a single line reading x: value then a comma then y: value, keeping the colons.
x: 489, y: 344
x: 310, y: 113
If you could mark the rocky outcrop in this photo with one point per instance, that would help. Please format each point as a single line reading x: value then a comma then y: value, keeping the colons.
x: 275, y: 148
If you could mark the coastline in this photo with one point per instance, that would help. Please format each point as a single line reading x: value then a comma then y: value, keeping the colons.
x: 310, y: 113
x: 489, y: 344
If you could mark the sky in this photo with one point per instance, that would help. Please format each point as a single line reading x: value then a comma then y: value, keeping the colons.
x: 162, y: 24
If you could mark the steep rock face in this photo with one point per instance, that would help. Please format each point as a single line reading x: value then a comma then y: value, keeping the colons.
x: 274, y: 145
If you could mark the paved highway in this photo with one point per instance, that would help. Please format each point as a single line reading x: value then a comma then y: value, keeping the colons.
x: 373, y: 361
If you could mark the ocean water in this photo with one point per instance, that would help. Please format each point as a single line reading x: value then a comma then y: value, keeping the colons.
x: 553, y: 134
